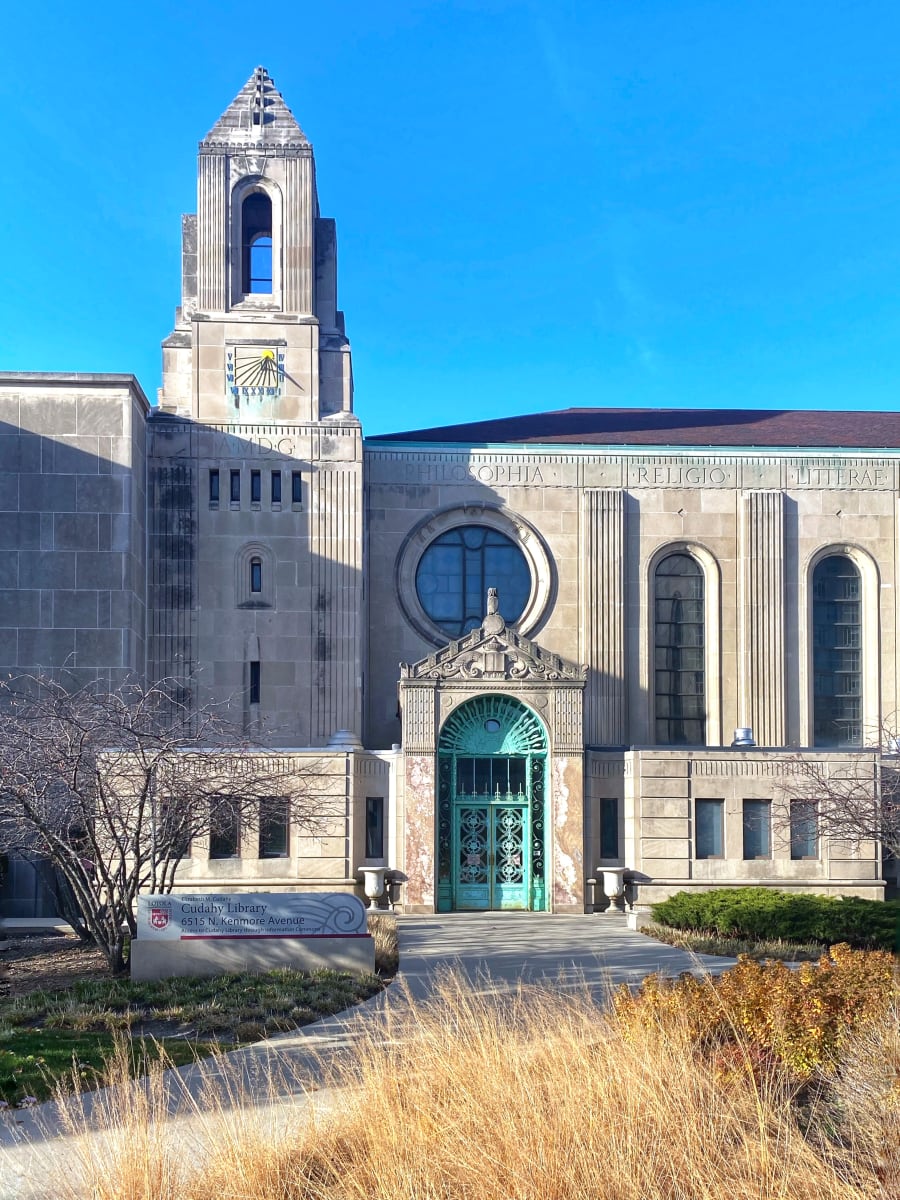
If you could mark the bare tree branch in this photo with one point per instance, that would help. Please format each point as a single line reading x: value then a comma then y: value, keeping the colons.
x: 851, y: 796
x: 113, y: 787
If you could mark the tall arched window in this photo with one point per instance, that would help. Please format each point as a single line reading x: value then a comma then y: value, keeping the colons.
x: 679, y: 652
x: 837, y: 653
x: 256, y: 244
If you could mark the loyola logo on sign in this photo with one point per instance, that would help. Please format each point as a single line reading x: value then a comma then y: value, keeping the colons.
x: 159, y: 918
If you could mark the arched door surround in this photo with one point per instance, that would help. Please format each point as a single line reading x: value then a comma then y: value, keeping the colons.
x: 493, y: 749
x: 492, y: 766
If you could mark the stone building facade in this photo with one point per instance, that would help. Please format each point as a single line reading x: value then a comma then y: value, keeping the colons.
x: 522, y: 646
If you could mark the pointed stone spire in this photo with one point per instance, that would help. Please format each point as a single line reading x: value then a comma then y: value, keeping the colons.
x: 256, y: 117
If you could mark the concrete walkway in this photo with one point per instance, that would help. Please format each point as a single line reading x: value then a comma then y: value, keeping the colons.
x: 494, y: 950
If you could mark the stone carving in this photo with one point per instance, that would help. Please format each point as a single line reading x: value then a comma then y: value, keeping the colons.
x: 494, y: 652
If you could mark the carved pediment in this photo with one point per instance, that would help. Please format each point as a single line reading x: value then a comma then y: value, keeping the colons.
x: 494, y: 653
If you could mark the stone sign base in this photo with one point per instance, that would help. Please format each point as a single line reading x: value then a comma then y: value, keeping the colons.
x: 223, y: 956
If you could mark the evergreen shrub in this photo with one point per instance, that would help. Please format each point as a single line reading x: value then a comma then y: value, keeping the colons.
x: 755, y: 912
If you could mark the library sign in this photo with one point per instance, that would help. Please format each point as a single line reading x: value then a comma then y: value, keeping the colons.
x: 255, y: 915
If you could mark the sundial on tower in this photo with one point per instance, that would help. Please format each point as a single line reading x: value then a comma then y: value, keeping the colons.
x: 254, y: 371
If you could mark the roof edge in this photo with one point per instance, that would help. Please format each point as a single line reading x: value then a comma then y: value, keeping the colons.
x: 638, y: 448
x: 95, y: 379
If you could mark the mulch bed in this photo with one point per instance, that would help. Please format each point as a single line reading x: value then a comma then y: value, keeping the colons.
x: 29, y: 964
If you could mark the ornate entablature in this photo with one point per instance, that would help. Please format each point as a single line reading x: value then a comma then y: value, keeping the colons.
x: 494, y: 654
x: 492, y: 658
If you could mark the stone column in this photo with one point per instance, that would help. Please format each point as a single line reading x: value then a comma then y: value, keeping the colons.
x: 418, y: 704
x: 761, y: 632
x: 567, y: 803
x: 603, y: 621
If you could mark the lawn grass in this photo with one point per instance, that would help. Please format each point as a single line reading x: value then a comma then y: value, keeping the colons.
x: 32, y: 1061
x: 43, y: 1033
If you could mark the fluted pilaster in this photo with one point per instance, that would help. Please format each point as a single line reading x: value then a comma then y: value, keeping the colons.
x: 761, y: 633
x: 299, y: 206
x: 212, y: 226
x: 603, y: 622
x: 336, y: 594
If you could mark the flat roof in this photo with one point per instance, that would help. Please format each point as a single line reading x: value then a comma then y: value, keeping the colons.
x: 73, y: 379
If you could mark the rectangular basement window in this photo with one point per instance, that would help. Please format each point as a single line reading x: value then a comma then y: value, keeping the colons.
x: 757, y: 824
x: 804, y: 830
x: 224, y: 829
x: 709, y: 828
x: 274, y: 827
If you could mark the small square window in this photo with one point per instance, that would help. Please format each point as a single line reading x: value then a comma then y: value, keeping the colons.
x: 235, y: 487
x: 296, y: 487
x: 255, y: 487
x: 214, y: 485
x: 276, y: 487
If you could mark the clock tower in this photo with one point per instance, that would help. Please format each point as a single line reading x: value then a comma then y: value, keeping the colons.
x: 255, y: 471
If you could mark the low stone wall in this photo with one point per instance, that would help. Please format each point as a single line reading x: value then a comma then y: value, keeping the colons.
x: 162, y: 959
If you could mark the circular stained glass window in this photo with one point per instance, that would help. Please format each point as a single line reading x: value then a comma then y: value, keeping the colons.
x: 455, y: 572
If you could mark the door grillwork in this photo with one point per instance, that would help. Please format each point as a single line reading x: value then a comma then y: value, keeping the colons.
x: 490, y: 826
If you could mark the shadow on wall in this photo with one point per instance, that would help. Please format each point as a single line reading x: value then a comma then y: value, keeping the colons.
x: 116, y: 561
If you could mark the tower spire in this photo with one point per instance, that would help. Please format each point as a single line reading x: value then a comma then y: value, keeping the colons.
x: 257, y: 115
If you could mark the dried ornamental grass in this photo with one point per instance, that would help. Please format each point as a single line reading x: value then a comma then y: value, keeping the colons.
x: 530, y: 1095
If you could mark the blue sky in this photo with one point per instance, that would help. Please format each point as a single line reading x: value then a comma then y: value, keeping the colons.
x: 539, y: 204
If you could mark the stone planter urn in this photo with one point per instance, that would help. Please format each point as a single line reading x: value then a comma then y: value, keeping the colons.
x: 614, y: 887
x: 373, y: 885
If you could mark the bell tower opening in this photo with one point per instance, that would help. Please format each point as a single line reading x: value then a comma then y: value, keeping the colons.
x: 256, y: 244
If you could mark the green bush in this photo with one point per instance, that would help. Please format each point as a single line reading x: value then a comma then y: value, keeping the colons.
x: 768, y: 913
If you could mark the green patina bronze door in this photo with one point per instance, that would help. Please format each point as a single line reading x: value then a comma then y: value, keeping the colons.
x: 492, y: 756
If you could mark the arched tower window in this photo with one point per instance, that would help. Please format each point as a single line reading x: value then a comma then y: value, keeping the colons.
x: 837, y: 652
x: 254, y: 580
x: 679, y: 652
x: 256, y: 244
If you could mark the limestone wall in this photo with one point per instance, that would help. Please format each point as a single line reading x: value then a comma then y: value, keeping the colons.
x: 72, y: 522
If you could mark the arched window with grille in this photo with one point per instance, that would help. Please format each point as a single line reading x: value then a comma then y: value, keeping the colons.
x: 679, y: 652
x: 256, y: 244
x: 837, y: 652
